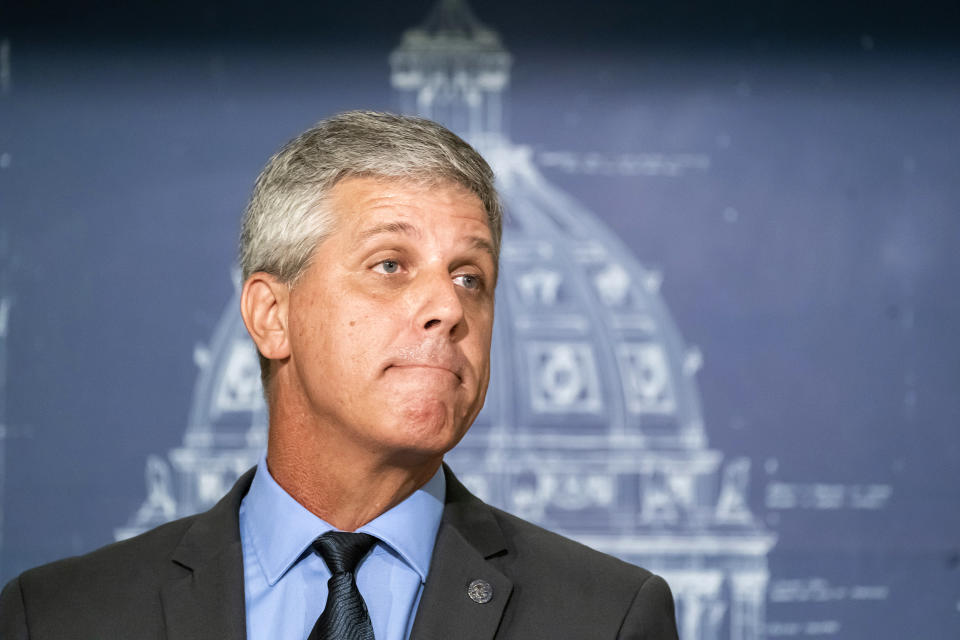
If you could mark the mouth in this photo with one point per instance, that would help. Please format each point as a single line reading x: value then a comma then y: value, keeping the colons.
x: 433, y: 367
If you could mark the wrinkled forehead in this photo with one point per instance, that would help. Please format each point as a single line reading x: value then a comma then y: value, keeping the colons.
x: 390, y: 183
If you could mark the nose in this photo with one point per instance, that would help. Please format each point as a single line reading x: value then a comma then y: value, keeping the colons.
x: 440, y: 309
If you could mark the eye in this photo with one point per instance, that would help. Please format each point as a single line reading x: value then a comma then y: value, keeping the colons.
x: 468, y: 281
x: 387, y: 266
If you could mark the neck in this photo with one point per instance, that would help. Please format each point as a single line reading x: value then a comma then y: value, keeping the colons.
x: 336, y: 479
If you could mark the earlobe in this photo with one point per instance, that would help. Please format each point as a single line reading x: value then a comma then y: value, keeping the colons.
x: 263, y: 305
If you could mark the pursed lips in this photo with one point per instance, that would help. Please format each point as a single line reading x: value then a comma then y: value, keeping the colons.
x: 417, y: 365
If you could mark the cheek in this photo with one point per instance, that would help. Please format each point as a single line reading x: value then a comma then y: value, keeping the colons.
x: 479, y: 351
x: 322, y: 341
x: 360, y: 339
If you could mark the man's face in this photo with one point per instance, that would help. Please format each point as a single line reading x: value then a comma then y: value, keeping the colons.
x: 390, y: 326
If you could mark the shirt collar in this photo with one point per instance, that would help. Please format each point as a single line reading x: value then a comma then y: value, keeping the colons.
x: 410, y: 528
x: 281, y: 529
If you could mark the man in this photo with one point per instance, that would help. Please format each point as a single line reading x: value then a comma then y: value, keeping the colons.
x: 369, y: 252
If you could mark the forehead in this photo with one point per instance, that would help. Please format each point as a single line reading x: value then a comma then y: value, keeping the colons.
x: 360, y: 201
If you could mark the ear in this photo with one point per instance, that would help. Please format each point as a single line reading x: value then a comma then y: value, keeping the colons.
x: 263, y: 305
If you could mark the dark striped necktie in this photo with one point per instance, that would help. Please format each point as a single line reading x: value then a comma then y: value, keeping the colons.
x: 345, y: 616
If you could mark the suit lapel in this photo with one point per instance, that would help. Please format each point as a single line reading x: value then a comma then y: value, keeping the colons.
x: 207, y: 600
x: 469, y: 536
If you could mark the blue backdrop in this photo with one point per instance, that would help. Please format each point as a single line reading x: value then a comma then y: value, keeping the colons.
x: 786, y: 182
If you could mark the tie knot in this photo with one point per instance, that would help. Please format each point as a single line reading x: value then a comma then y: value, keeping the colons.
x: 342, y: 550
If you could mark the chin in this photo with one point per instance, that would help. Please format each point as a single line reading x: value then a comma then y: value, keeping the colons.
x: 426, y: 428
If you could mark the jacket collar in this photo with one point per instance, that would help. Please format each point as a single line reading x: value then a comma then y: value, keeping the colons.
x: 207, y: 601
x: 469, y: 537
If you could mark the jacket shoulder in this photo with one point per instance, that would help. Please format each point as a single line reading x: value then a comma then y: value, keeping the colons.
x: 112, y: 590
x: 535, y: 545
x: 115, y: 591
x: 577, y: 591
x: 141, y: 559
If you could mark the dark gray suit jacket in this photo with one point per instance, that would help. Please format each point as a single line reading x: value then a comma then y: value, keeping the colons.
x: 184, y: 580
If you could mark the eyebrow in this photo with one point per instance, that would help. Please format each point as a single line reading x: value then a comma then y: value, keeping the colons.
x: 483, y: 244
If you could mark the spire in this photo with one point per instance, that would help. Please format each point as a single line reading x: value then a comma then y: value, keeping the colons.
x: 453, y: 69
x: 454, y: 18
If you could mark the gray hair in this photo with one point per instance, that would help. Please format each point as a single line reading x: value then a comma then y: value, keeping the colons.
x: 287, y: 219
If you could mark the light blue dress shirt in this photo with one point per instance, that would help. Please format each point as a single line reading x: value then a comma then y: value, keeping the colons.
x: 285, y: 583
